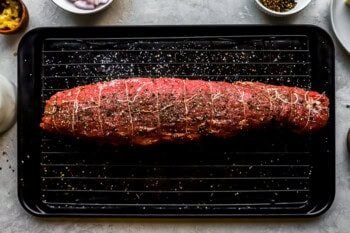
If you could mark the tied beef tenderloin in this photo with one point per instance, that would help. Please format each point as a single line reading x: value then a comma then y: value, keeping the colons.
x: 146, y: 111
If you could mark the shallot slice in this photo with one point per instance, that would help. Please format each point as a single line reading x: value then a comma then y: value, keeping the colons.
x: 84, y: 5
x: 88, y: 4
x: 98, y: 2
x: 92, y: 2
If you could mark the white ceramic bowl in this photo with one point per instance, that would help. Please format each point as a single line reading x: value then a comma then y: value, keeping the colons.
x: 301, y: 4
x: 70, y: 7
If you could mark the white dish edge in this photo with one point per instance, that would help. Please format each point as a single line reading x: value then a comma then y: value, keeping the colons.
x: 337, y: 34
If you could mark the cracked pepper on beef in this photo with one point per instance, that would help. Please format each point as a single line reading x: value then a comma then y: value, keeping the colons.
x: 145, y: 111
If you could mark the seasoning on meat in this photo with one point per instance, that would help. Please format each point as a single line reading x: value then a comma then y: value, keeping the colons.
x: 145, y: 111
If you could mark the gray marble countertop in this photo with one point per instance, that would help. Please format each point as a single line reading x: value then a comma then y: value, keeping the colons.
x: 13, y: 218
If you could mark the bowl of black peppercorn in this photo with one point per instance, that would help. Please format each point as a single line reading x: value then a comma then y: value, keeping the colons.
x: 282, y: 8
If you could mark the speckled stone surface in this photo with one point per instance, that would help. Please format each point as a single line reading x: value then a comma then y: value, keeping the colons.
x: 13, y: 218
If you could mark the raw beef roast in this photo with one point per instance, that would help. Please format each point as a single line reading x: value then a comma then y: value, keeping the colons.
x: 145, y: 111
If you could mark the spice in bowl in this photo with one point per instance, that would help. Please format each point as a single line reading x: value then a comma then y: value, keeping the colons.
x: 13, y: 15
x: 279, y: 5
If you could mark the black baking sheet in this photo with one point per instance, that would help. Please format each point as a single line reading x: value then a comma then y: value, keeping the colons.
x: 261, y: 173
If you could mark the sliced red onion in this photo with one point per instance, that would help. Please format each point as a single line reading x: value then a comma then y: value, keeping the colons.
x: 88, y: 4
x: 84, y: 5
x: 92, y: 2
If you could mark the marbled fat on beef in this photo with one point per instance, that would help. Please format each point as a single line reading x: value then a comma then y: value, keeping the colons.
x: 145, y: 111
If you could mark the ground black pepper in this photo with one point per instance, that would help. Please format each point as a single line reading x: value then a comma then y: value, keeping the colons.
x: 279, y: 5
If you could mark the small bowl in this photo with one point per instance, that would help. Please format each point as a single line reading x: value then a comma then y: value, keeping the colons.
x: 301, y: 4
x: 24, y: 18
x: 70, y: 7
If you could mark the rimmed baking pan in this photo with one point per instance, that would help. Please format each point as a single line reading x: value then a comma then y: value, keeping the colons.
x: 264, y: 173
